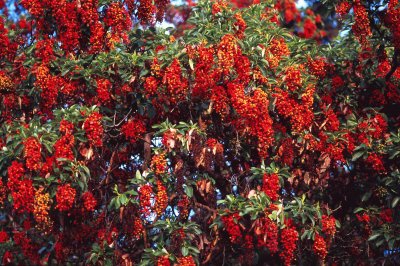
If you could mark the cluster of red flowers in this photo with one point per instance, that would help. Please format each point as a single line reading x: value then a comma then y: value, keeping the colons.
x: 277, y: 48
x: 145, y: 196
x: 4, y: 237
x: 328, y: 225
x: 63, y: 147
x: 293, y: 78
x: 375, y: 161
x: 386, y: 216
x: 6, y: 83
x: 392, y: 19
x: 217, y: 7
x: 118, y: 19
x: 320, y: 247
x: 22, y: 190
x: 176, y: 85
x: 343, y: 8
x: 254, y: 111
x: 3, y: 193
x: 268, y: 236
x: 287, y: 152
x: 138, y: 228
x: 299, y: 115
x: 66, y: 127
x: 361, y: 26
x: 183, y: 206
x: 289, y: 237
x: 44, y: 50
x: 150, y: 86
x: 231, y: 222
x: 205, y: 76
x: 89, y: 201
x: 309, y: 29
x: 226, y: 52
x: 163, y: 261
x: 240, y: 24
x: 161, y: 6
x: 317, y: 67
x: 146, y: 11
x: 290, y: 10
x: 94, y: 130
x: 33, y: 153
x: 271, y: 186
x: 49, y: 86
x: 29, y: 249
x: 65, y: 197
x: 161, y: 198
x: 41, y: 210
x: 133, y: 129
x: 219, y: 98
x: 103, y: 90
x: 186, y: 261
x: 159, y: 164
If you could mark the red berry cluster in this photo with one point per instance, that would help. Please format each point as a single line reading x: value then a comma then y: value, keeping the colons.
x: 93, y: 128
x: 33, y: 153
x: 22, y: 190
x: 65, y: 197
x: 176, y: 85
x: 138, y: 228
x: 133, y: 129
x: 232, y: 227
x: 89, y: 201
x: 328, y: 225
x: 183, y: 206
x: 103, y: 90
x: 361, y: 26
x: 161, y: 198
x: 268, y: 235
x: 289, y: 237
x: 240, y: 25
x: 118, y: 19
x: 271, y: 186
x: 163, y: 261
x: 159, y: 164
x: 145, y: 196
x: 186, y: 261
x: 320, y: 247
x: 41, y: 210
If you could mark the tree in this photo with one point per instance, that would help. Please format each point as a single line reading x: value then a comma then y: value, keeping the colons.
x: 243, y: 140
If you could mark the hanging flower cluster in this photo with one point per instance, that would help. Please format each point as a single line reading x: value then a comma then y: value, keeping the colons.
x: 231, y: 222
x: 41, y: 210
x: 361, y: 26
x: 161, y: 199
x: 133, y: 130
x: 320, y: 247
x: 289, y: 237
x: 33, y: 153
x: 271, y: 186
x: 93, y: 128
x: 145, y: 196
x: 65, y: 197
x: 159, y: 164
x: 268, y: 235
x: 89, y: 201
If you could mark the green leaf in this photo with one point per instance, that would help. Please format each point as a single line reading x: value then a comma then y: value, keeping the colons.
x: 373, y: 237
x: 357, y: 155
x: 185, y: 251
x: 189, y: 191
x: 395, y: 201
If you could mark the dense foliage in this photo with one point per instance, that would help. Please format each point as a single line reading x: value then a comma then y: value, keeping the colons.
x: 253, y: 137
